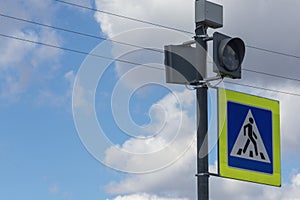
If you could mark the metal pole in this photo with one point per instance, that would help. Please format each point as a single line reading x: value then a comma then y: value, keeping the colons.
x: 202, y: 125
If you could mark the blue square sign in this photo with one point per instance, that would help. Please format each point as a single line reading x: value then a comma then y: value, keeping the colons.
x: 249, y: 138
x: 254, y: 151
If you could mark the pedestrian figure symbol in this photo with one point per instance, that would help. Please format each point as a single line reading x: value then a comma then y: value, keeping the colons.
x: 249, y: 144
x: 248, y: 130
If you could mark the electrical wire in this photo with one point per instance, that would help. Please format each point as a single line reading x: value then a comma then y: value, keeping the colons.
x: 272, y: 75
x: 261, y: 88
x: 123, y: 16
x: 167, y: 27
x: 267, y: 74
x: 272, y: 51
x: 76, y: 32
x: 77, y: 51
x: 128, y: 62
x: 128, y: 44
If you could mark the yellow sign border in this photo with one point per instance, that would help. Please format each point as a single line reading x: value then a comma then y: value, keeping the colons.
x: 242, y: 174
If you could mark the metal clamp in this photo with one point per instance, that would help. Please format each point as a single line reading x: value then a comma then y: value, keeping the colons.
x: 206, y: 80
x: 203, y: 83
x: 199, y: 84
x: 204, y: 37
x: 203, y: 174
x: 208, y: 174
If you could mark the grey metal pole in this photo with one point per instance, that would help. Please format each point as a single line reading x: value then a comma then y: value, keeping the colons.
x: 202, y: 115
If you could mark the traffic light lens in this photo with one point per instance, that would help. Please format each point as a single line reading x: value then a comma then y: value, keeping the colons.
x: 230, y: 58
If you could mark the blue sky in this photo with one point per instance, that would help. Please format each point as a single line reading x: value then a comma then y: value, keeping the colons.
x: 44, y: 145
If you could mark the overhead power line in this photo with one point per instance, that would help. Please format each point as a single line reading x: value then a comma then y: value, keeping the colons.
x: 124, y: 17
x: 123, y: 43
x: 76, y: 32
x: 272, y: 75
x: 76, y: 51
x: 261, y: 88
x: 267, y: 74
x: 137, y: 46
x: 166, y: 27
x: 126, y: 61
x: 272, y: 51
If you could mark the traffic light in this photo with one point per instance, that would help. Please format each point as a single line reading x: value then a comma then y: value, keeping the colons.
x: 228, y: 55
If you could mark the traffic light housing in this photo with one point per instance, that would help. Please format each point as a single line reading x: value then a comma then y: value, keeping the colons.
x: 181, y: 66
x: 228, y: 55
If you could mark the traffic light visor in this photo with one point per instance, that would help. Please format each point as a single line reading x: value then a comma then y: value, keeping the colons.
x: 228, y: 54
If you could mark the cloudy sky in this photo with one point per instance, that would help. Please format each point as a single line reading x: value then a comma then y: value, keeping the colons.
x: 76, y: 124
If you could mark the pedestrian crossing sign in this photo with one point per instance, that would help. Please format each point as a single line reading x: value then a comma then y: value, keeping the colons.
x: 249, y: 138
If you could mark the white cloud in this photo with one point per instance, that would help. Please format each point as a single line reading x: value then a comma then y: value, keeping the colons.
x: 44, y: 53
x: 21, y: 61
x: 289, y: 128
x: 14, y: 51
x: 157, y: 11
x: 144, y: 197
x: 162, y: 182
x: 169, y: 142
x: 226, y: 189
x: 220, y: 188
